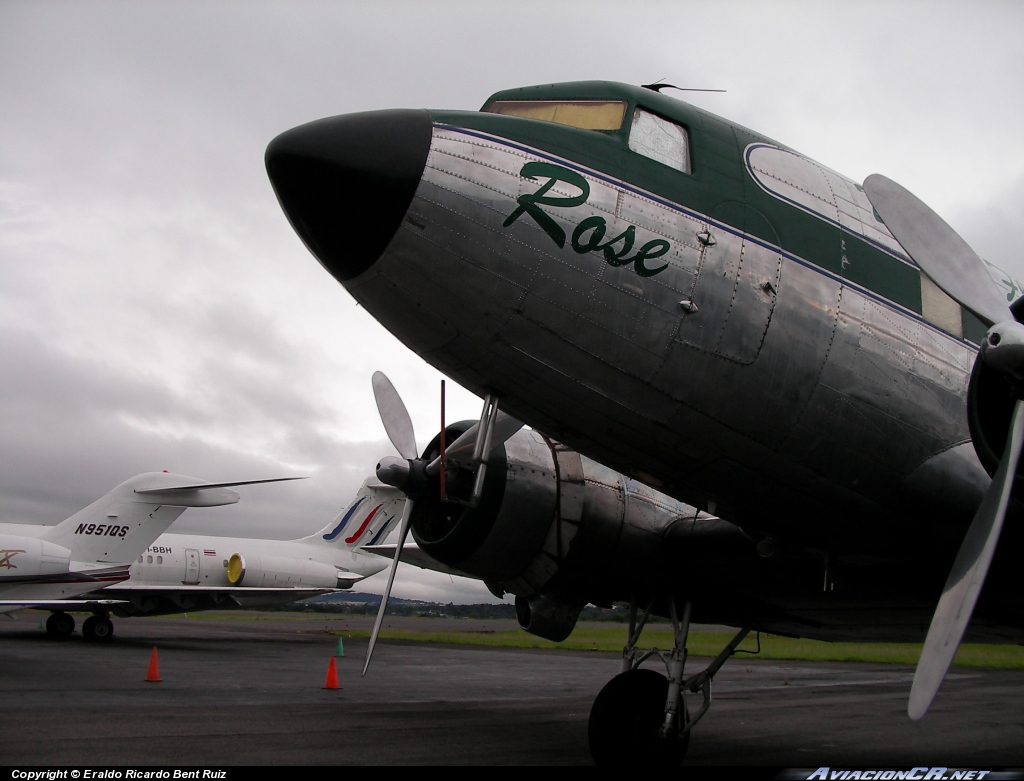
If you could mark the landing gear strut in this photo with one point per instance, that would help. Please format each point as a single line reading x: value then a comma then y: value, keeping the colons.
x: 640, y: 715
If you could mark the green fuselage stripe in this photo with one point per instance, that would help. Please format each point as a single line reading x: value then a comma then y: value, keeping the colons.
x: 719, y: 177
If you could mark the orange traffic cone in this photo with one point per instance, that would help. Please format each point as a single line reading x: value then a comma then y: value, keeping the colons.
x: 332, y: 676
x: 153, y: 676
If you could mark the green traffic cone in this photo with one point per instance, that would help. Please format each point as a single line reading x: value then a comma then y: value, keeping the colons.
x: 341, y: 648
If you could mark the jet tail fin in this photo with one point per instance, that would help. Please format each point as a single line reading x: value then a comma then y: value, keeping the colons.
x: 120, y: 525
x: 368, y: 518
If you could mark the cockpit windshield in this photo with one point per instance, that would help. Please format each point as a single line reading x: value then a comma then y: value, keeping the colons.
x: 584, y: 114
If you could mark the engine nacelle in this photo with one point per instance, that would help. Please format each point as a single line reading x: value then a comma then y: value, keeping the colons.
x: 22, y: 558
x: 552, y: 527
x: 990, y: 402
x: 548, y: 616
x: 260, y: 571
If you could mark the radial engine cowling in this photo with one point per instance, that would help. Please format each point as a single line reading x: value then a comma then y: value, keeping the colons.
x: 552, y: 527
x: 260, y: 571
x: 28, y: 557
x: 990, y: 401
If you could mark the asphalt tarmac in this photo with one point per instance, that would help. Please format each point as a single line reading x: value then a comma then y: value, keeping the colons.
x: 250, y: 692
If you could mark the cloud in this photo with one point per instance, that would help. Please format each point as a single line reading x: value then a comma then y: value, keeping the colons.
x: 157, y: 311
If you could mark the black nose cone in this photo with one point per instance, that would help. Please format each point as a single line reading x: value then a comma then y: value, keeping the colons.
x: 346, y: 182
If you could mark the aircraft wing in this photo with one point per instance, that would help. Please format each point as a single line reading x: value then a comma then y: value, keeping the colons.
x: 11, y: 605
x: 411, y: 554
x: 146, y: 588
x: 350, y: 578
x: 146, y: 599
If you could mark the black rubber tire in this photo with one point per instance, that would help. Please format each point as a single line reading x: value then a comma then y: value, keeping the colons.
x: 104, y: 629
x: 98, y: 628
x: 626, y: 719
x: 60, y: 625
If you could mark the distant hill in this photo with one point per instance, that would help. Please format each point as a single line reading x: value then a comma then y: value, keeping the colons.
x: 354, y: 597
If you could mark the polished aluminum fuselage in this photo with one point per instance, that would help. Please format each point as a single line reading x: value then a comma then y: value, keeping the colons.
x: 741, y: 378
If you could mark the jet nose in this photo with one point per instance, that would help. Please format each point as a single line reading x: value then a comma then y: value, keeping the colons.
x: 346, y: 182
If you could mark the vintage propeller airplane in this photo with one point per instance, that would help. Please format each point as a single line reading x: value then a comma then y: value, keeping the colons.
x: 713, y: 314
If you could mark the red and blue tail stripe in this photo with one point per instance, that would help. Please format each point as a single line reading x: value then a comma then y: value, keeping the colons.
x: 331, y: 535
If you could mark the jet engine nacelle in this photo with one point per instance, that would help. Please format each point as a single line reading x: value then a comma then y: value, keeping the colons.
x: 28, y: 557
x: 550, y: 527
x: 257, y: 571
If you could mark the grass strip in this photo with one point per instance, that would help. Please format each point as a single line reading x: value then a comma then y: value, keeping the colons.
x: 610, y: 638
x: 709, y: 644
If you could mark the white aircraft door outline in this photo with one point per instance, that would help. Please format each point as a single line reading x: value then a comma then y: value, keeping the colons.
x: 191, y: 567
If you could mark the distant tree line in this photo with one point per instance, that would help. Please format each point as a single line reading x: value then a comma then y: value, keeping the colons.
x: 368, y: 604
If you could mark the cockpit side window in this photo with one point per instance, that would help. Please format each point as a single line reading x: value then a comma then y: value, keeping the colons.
x: 661, y: 140
x: 584, y: 114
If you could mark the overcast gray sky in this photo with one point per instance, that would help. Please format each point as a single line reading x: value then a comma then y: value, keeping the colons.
x: 158, y: 312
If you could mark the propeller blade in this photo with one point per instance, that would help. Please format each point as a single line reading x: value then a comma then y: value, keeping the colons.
x: 937, y: 249
x: 960, y: 594
x: 394, y: 416
x: 403, y: 531
x: 459, y: 450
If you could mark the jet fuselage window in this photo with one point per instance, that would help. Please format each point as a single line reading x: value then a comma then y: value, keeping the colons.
x: 584, y: 114
x: 660, y: 139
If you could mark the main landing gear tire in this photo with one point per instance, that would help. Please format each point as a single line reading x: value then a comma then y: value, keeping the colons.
x: 60, y: 625
x: 98, y: 628
x: 626, y: 719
